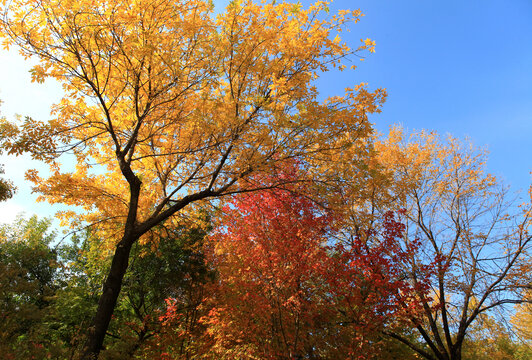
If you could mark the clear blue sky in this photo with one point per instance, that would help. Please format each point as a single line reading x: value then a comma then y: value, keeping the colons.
x: 458, y: 67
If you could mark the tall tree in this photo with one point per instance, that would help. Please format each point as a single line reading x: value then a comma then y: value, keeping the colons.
x: 167, y: 105
x: 469, y: 228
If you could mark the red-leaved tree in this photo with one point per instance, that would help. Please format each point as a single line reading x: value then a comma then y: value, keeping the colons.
x: 289, y: 288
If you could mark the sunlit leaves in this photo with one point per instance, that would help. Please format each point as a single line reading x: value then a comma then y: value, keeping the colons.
x: 167, y: 105
x: 469, y: 229
x: 189, y: 99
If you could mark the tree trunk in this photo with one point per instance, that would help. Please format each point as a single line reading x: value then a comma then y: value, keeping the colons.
x: 108, y: 299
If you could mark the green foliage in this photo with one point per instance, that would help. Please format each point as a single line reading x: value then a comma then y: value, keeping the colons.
x: 392, y: 349
x: 48, y: 294
x: 173, y: 271
x: 28, y: 274
x: 77, y: 298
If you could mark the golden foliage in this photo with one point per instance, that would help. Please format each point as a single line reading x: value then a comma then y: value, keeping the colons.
x: 187, y: 102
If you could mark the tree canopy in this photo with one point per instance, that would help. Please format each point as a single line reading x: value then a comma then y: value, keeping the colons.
x: 167, y: 104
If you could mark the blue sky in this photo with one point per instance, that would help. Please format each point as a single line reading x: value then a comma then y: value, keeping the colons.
x: 458, y: 67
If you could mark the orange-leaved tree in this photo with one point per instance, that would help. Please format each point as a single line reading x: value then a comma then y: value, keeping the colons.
x: 288, y: 289
x: 470, y: 229
x: 167, y: 105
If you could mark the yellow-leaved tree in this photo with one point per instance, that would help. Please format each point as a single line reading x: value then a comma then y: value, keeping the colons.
x: 167, y: 105
x: 474, y: 239
x: 522, y: 323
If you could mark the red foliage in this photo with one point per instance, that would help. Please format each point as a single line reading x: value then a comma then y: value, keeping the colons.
x: 287, y: 288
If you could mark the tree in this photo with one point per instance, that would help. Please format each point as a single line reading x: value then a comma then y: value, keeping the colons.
x: 523, y: 321
x: 286, y: 288
x: 174, y: 269
x: 83, y: 265
x: 177, y: 107
x: 28, y: 282
x: 469, y: 228
x: 271, y: 262
x: 7, y: 189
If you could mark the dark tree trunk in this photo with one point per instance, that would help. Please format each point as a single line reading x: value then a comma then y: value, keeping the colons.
x: 132, y: 232
x: 113, y: 283
x: 108, y: 299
